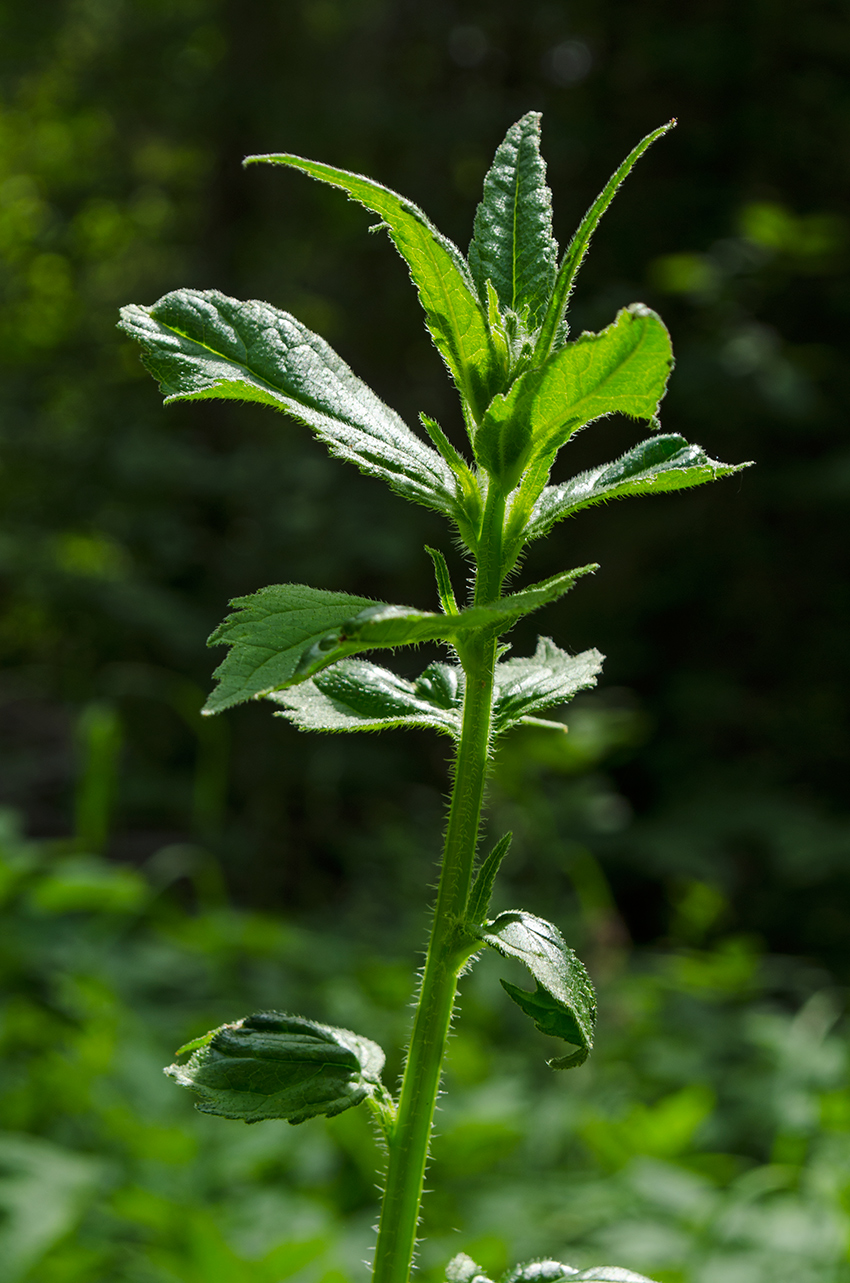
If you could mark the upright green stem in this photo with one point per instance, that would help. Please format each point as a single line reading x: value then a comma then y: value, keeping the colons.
x: 408, y: 1146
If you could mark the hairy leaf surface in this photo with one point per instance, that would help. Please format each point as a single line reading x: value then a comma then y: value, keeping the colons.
x: 623, y: 369
x: 272, y: 1065
x: 550, y: 676
x: 355, y: 695
x: 453, y: 312
x: 552, y: 329
x: 269, y: 634
x: 548, y: 1271
x: 286, y: 633
x: 563, y: 1004
x: 661, y: 464
x: 200, y: 344
x: 513, y: 245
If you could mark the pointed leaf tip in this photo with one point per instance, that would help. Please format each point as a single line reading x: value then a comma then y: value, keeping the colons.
x: 512, y: 245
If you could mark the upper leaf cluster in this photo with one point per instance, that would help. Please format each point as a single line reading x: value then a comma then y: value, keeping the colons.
x: 497, y: 320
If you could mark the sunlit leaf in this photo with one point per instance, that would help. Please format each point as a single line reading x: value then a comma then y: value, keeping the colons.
x: 656, y: 466
x: 200, y: 344
x: 513, y: 245
x: 452, y: 310
x: 549, y: 677
x: 623, y: 370
x: 485, y: 880
x: 286, y: 633
x: 552, y: 330
x: 563, y: 1004
x: 272, y: 1065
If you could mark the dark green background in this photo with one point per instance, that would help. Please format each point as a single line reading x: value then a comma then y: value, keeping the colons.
x: 127, y: 527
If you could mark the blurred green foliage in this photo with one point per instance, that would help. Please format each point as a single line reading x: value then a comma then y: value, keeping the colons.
x: 697, y: 806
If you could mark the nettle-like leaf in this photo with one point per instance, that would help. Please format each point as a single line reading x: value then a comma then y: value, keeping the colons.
x: 200, y: 344
x: 656, y: 466
x: 623, y: 370
x: 550, y: 676
x: 272, y: 1065
x: 453, y: 311
x: 286, y: 633
x: 513, y: 246
x: 563, y: 1004
x: 269, y: 634
x: 553, y: 331
x: 355, y: 695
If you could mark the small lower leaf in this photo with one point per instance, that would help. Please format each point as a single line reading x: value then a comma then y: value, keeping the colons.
x: 272, y: 1065
x: 462, y: 1269
x: 563, y: 1004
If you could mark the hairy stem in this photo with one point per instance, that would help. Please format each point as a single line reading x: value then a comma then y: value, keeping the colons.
x: 409, y: 1144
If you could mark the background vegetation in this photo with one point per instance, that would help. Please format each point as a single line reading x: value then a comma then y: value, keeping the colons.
x: 693, y: 834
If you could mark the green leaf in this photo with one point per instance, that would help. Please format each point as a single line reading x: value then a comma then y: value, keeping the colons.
x: 513, y: 245
x: 547, y: 1271
x: 623, y: 369
x: 453, y: 312
x: 655, y: 466
x: 269, y: 634
x: 551, y: 329
x: 199, y: 344
x: 462, y: 1269
x: 286, y: 633
x: 355, y: 695
x: 445, y: 591
x: 550, y: 676
x: 272, y: 1065
x: 564, y: 1004
x: 485, y: 880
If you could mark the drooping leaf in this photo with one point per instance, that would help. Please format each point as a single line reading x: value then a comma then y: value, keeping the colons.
x: 286, y: 633
x: 661, y: 464
x: 452, y: 310
x: 513, y: 245
x: 355, y: 695
x: 272, y: 1065
x: 551, y: 330
x: 563, y: 1004
x: 485, y: 880
x: 550, y: 676
x: 268, y: 636
x: 200, y: 343
x: 623, y: 369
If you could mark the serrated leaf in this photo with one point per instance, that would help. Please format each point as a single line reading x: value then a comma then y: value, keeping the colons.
x: 286, y: 633
x: 355, y: 695
x: 656, y: 466
x: 563, y: 1004
x: 623, y: 370
x: 269, y: 634
x: 513, y: 245
x: 201, y: 344
x: 272, y: 1065
x: 453, y: 312
x: 552, y: 330
x: 550, y: 676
